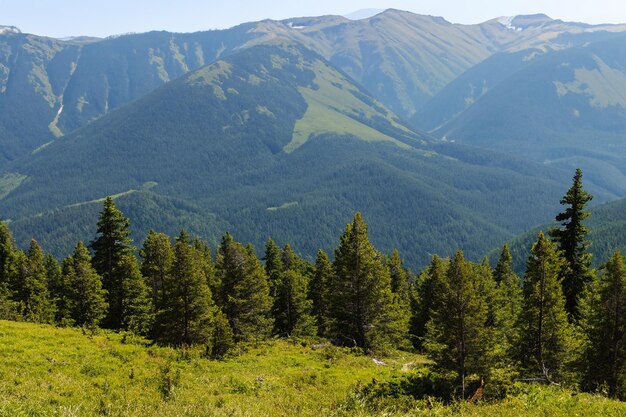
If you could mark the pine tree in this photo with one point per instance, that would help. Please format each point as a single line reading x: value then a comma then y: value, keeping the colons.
x: 506, y: 303
x: 291, y: 309
x: 222, y: 338
x: 208, y: 267
x: 457, y: 336
x: 137, y: 311
x: 543, y: 326
x: 112, y: 243
x: 8, y: 307
x: 88, y: 298
x: 59, y: 292
x: 572, y: 242
x: 27, y: 282
x: 39, y: 306
x: 361, y: 299
x: 273, y: 266
x: 605, y: 356
x: 7, y: 246
x: 156, y: 263
x: 318, y: 292
x: 245, y: 291
x: 422, y: 298
x: 188, y: 310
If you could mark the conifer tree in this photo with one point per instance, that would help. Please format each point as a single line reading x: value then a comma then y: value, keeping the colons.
x: 291, y: 309
x: 544, y: 333
x: 245, y: 291
x: 88, y: 298
x: 400, y: 278
x: 506, y: 303
x: 8, y: 307
x: 27, y: 282
x: 422, y: 299
x: 156, y: 263
x: 111, y: 244
x: 457, y: 336
x: 188, y: 310
x: 7, y: 246
x: 321, y: 281
x: 571, y: 240
x: 39, y: 306
x: 204, y: 252
x: 605, y: 356
x: 137, y: 312
x: 361, y: 299
x: 59, y: 292
x: 273, y: 266
x: 222, y: 338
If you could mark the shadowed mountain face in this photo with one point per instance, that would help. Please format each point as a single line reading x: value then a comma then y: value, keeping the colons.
x: 565, y: 108
x: 239, y: 143
x: 51, y: 87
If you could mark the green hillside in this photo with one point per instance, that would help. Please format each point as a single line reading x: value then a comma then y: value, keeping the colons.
x: 234, y: 139
x: 55, y: 371
x: 565, y: 109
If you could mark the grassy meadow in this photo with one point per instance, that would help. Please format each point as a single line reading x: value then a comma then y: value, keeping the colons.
x: 48, y: 371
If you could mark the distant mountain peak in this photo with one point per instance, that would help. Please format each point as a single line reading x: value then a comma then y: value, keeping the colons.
x: 9, y: 29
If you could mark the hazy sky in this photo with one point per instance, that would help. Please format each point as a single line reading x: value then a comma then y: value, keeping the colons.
x: 60, y: 18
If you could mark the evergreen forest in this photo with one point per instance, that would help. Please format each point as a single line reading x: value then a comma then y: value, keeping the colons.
x: 483, y: 329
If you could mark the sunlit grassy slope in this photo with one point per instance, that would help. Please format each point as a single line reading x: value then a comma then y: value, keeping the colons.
x: 50, y: 371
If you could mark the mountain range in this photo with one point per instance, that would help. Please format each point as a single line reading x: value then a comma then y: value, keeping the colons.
x: 285, y: 128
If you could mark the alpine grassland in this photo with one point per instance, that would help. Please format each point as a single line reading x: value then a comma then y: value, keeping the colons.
x: 50, y: 371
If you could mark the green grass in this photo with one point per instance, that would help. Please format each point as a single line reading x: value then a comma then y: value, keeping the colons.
x: 54, y: 371
x: 332, y: 109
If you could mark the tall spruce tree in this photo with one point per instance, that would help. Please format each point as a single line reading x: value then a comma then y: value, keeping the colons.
x: 544, y: 332
x: 273, y: 266
x: 137, y: 311
x: 156, y: 263
x: 39, y: 306
x: 604, y: 361
x: 292, y: 308
x: 245, y: 293
x: 7, y: 246
x: 87, y: 298
x: 321, y: 281
x: 111, y: 244
x: 571, y: 240
x: 59, y: 292
x: 457, y: 336
x: 362, y: 306
x: 422, y: 298
x: 506, y: 303
x: 187, y: 313
x: 400, y: 278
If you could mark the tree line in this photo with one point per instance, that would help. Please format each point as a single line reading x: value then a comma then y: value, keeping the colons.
x: 562, y: 322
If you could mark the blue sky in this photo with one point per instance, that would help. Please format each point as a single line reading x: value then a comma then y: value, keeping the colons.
x: 62, y: 18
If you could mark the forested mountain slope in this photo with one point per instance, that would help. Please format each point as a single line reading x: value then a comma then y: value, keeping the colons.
x: 240, y: 139
x: 566, y: 109
x: 50, y: 87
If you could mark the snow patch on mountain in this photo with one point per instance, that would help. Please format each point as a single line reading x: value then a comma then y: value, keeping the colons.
x: 507, y: 22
